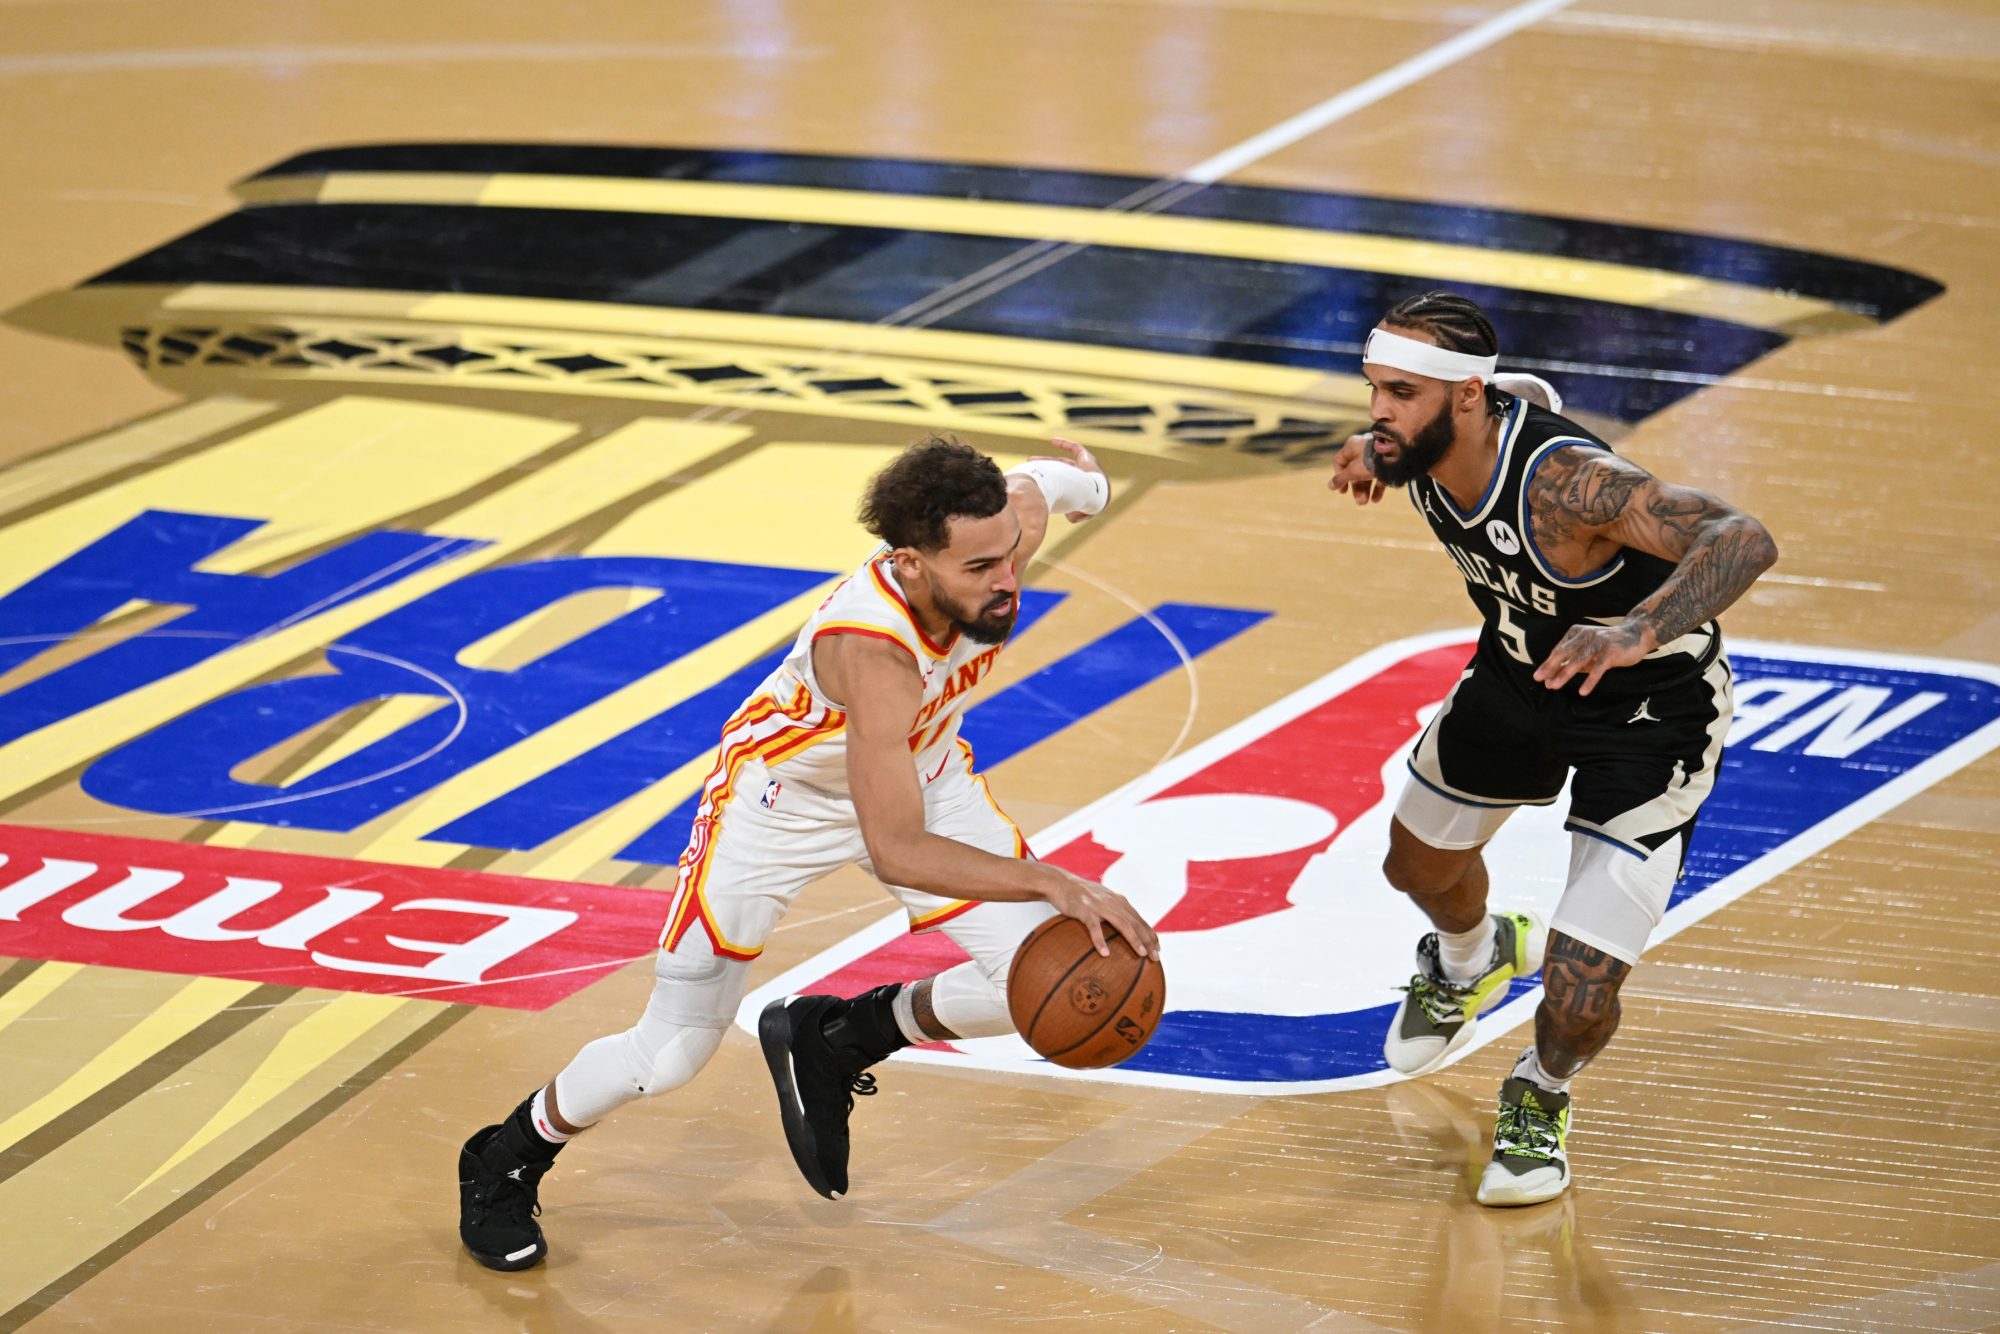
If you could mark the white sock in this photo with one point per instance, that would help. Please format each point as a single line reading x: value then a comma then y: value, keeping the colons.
x: 904, y: 1006
x: 1529, y: 1067
x: 1463, y: 956
x: 538, y: 1115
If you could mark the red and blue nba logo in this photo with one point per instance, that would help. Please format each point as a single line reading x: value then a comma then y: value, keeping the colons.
x: 1257, y: 854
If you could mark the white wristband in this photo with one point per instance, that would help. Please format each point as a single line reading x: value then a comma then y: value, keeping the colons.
x: 1067, y: 488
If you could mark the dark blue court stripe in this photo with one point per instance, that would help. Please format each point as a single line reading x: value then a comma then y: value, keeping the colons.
x: 550, y: 805
x: 1133, y: 655
x: 1275, y: 1048
x: 1871, y: 289
x: 1043, y: 704
x: 1618, y: 360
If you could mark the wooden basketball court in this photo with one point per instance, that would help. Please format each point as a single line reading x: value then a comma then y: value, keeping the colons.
x: 423, y: 418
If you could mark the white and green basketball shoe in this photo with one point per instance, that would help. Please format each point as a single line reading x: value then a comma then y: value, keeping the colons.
x: 1530, y: 1146
x: 1437, y: 1015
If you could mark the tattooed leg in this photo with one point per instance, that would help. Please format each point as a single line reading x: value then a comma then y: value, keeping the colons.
x: 1579, y: 1009
x: 926, y: 1014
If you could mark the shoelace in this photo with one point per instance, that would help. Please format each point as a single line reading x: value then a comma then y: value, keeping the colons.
x: 489, y: 1200
x: 1440, y: 1002
x: 1526, y: 1132
x: 863, y: 1085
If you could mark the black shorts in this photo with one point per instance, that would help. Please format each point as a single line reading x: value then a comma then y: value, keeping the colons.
x: 1644, y: 764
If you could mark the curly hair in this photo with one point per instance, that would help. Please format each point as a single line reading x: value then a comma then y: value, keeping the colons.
x: 912, y: 502
x: 1457, y: 325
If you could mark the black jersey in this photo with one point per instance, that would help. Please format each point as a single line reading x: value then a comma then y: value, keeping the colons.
x: 1527, y: 606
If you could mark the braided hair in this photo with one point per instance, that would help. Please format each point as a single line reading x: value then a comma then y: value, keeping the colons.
x: 1455, y: 324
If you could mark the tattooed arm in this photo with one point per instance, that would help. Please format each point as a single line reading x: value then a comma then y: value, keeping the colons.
x: 1598, y: 500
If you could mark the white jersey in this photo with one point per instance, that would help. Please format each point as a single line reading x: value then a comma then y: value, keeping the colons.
x: 798, y: 734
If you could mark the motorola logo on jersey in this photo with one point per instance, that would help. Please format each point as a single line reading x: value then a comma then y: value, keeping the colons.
x: 1257, y: 854
x: 1502, y: 537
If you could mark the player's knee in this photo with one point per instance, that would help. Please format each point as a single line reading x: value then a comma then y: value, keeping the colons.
x: 664, y: 1062
x: 993, y: 952
x: 696, y: 989
x: 1414, y: 873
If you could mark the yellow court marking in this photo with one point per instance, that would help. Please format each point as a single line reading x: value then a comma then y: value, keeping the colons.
x: 325, y: 1030
x: 787, y: 504
x: 1075, y: 361
x: 96, y: 314
x: 401, y: 837
x: 793, y: 357
x: 506, y: 649
x: 33, y: 989
x: 791, y: 504
x: 188, y: 1009
x: 1596, y: 280
x: 603, y: 836
x: 556, y: 626
x: 385, y: 719
x: 550, y: 499
x: 313, y: 477
x: 905, y: 416
x: 34, y: 479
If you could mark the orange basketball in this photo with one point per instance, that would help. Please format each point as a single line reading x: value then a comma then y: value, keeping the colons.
x: 1075, y: 1006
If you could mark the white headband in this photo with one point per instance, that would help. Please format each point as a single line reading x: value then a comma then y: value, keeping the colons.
x: 1419, y: 358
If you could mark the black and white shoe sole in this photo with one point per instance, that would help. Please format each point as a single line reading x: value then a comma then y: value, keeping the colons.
x: 526, y: 1258
x: 774, y: 1035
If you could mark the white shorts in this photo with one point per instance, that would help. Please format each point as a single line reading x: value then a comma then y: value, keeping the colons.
x: 1613, y: 899
x: 745, y: 866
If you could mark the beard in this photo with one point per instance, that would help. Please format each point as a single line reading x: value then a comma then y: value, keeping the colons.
x: 990, y: 624
x: 1420, y: 453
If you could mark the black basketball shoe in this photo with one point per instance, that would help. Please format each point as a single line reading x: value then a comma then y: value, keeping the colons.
x: 817, y: 1080
x: 497, y: 1203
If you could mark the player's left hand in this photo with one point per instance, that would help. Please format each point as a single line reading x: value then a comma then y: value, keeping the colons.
x: 1351, y: 473
x: 1593, y: 650
x: 1072, y: 452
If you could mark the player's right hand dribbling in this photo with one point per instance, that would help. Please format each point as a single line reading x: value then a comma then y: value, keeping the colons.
x: 1095, y: 906
x: 1352, y: 474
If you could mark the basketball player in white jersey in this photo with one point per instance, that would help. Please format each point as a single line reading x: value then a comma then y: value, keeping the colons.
x: 847, y: 753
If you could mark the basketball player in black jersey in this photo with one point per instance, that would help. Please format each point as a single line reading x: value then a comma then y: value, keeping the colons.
x: 1599, y: 585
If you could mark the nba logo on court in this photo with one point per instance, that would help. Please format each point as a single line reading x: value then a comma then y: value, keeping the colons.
x: 1257, y: 854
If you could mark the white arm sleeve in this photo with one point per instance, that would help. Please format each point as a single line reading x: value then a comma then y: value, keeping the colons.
x: 1531, y: 387
x: 1065, y: 486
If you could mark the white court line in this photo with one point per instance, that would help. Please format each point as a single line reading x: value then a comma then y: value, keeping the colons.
x: 1169, y: 191
x: 1020, y: 1224
x: 1365, y: 94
